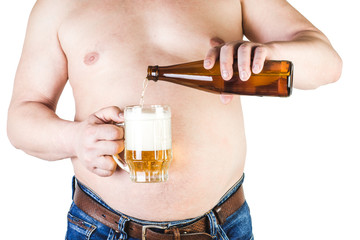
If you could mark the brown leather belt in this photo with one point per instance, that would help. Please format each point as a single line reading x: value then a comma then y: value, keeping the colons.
x: 199, y: 230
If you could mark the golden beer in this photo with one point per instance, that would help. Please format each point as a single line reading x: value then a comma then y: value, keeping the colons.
x: 148, y: 166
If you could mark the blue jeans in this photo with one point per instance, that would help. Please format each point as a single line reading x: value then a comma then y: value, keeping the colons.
x: 82, y: 226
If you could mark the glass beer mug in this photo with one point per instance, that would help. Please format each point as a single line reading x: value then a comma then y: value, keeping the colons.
x: 148, y: 150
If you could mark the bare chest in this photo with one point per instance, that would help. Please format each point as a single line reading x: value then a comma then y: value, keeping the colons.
x: 110, y: 43
x: 147, y: 28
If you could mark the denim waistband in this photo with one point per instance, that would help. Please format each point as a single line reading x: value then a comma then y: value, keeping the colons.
x: 100, y: 201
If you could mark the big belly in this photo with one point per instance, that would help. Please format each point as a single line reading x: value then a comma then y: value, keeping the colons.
x: 208, y: 158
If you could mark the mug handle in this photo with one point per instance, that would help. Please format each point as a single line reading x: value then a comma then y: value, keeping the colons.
x: 121, y: 162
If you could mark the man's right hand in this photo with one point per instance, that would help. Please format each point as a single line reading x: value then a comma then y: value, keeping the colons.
x: 98, y: 138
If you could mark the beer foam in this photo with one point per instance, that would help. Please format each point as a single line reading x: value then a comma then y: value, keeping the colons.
x: 148, y: 128
x: 153, y: 112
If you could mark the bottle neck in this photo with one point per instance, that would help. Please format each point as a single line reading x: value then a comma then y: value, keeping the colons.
x: 153, y: 73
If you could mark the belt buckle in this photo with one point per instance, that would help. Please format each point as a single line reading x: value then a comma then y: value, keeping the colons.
x: 145, y: 227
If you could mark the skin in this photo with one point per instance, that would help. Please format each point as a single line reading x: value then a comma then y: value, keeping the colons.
x: 102, y: 48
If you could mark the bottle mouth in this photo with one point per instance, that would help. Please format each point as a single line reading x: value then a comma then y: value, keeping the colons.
x: 290, y: 79
x: 153, y: 73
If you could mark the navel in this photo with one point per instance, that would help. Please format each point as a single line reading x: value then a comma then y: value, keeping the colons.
x: 91, y: 58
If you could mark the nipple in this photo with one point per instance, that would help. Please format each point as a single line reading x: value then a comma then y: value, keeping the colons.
x: 91, y: 58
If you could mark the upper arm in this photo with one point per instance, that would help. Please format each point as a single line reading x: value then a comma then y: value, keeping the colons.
x: 42, y: 70
x: 272, y: 20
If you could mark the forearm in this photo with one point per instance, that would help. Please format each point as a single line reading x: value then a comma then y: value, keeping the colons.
x: 315, y: 61
x: 35, y: 128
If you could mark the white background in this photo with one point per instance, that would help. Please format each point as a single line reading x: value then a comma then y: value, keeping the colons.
x: 302, y: 172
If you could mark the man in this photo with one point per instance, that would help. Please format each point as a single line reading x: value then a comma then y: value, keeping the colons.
x: 103, y: 48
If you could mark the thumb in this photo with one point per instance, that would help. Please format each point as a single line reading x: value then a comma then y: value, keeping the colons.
x: 107, y: 115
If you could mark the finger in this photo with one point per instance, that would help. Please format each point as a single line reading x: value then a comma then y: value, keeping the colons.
x: 260, y: 54
x: 109, y: 147
x: 244, y: 59
x: 107, y: 115
x: 102, y: 173
x: 213, y: 52
x: 216, y: 41
x: 105, y: 166
x: 108, y: 132
x: 227, y: 59
x: 211, y: 57
x: 226, y: 99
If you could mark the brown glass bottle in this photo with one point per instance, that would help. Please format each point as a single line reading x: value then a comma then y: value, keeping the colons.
x: 274, y: 80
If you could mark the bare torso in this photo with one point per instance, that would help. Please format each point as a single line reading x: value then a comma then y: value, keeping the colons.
x: 108, y: 45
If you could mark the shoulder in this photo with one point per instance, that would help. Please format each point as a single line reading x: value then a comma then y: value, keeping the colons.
x: 272, y: 20
x: 52, y: 12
